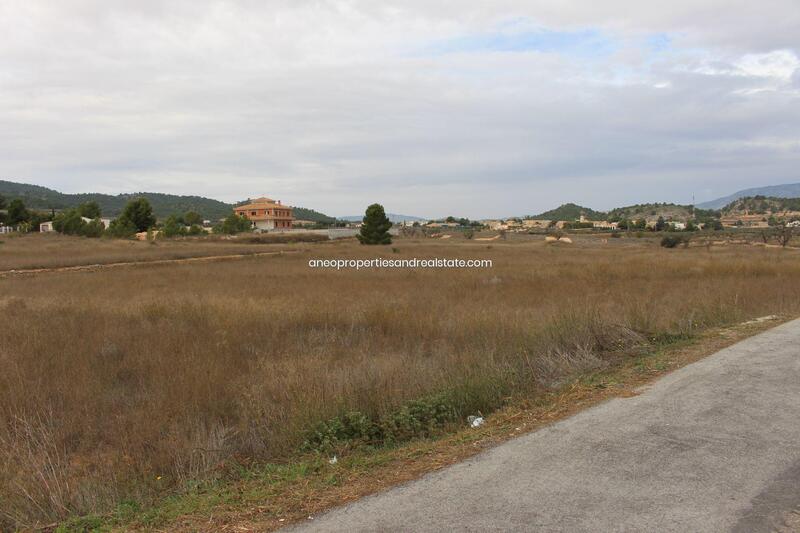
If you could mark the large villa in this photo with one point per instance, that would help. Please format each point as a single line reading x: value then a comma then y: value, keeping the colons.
x: 266, y: 214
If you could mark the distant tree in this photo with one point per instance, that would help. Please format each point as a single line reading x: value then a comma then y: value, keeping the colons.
x: 36, y: 218
x: 469, y: 234
x: 450, y: 220
x: 375, y: 226
x: 2, y: 202
x: 17, y: 213
x: 661, y: 224
x: 194, y: 229
x: 89, y: 210
x: 690, y: 226
x: 192, y: 217
x: 140, y: 214
x: 173, y: 227
x: 121, y: 228
x: 233, y: 224
x: 93, y: 229
x: 69, y: 222
x: 783, y: 233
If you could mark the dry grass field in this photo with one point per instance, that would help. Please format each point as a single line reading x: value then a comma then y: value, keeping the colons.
x: 127, y: 384
x: 50, y: 250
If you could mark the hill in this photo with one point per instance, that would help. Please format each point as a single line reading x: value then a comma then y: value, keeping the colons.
x: 651, y: 212
x: 762, y: 205
x: 38, y: 197
x: 571, y: 212
x: 787, y: 190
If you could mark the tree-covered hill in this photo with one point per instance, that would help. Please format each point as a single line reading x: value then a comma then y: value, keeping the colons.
x: 38, y: 197
x: 571, y: 212
x: 759, y: 205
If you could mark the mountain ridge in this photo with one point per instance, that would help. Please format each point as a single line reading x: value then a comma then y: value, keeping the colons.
x: 784, y: 190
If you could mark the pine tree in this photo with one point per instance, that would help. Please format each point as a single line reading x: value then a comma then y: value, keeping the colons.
x: 375, y: 226
x: 139, y: 213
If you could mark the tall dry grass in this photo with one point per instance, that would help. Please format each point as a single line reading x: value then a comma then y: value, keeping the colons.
x: 127, y: 383
x: 50, y: 250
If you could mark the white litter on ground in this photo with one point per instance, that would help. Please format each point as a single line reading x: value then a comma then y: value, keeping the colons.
x: 475, y: 421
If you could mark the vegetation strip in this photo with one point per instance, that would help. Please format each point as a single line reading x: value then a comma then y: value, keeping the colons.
x: 100, y: 266
x: 268, y: 497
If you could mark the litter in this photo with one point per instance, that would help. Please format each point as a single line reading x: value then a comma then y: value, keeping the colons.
x: 333, y: 460
x: 475, y: 421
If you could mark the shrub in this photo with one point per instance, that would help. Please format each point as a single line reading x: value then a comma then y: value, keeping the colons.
x: 671, y: 241
x: 121, y: 228
x: 93, y: 229
x: 414, y: 419
x: 194, y: 229
x: 69, y: 222
x: 233, y: 224
x: 173, y: 227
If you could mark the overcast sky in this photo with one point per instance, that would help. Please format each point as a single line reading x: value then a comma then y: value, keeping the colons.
x: 471, y: 108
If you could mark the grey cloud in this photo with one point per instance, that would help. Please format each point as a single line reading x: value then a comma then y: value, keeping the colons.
x: 329, y: 105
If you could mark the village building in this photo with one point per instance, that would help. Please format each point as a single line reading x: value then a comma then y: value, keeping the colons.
x: 266, y: 214
x: 44, y: 227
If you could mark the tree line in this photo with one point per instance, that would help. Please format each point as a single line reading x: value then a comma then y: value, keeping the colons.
x: 136, y: 217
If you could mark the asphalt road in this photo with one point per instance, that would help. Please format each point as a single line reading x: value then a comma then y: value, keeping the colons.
x: 714, y: 446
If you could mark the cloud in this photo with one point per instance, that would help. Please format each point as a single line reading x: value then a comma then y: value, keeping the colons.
x: 469, y: 108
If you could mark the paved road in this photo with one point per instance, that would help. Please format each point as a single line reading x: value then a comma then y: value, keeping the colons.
x: 714, y: 446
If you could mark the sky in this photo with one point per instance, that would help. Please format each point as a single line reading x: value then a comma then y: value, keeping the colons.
x: 432, y: 108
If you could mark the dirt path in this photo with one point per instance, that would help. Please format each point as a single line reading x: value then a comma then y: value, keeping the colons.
x: 103, y: 266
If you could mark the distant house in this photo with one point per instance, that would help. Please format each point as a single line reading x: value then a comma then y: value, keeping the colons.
x: 303, y: 223
x: 266, y: 214
x: 6, y: 229
x: 44, y: 227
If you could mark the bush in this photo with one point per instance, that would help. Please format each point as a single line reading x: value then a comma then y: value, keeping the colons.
x: 94, y: 228
x: 121, y: 228
x: 233, y: 224
x: 69, y: 222
x: 194, y: 229
x: 173, y: 227
x: 414, y: 419
x: 671, y: 241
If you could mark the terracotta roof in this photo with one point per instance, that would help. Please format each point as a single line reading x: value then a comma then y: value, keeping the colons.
x: 262, y: 203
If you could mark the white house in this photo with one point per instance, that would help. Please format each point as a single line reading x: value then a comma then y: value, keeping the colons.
x: 44, y: 227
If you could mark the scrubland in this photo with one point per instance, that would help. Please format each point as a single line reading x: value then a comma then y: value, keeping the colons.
x: 127, y: 384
